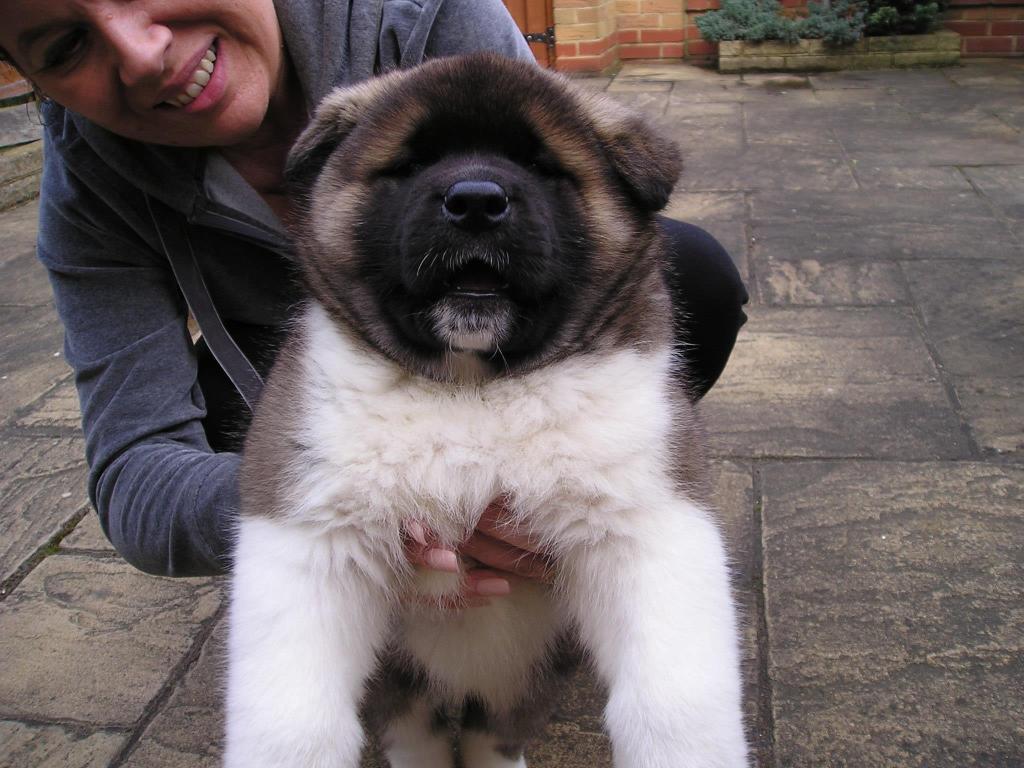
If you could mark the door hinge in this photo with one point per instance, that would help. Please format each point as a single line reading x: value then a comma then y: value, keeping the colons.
x: 547, y: 37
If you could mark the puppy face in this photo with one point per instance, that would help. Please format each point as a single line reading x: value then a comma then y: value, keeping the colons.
x: 475, y: 210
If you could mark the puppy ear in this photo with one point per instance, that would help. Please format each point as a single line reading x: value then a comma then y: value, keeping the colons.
x: 647, y: 163
x: 335, y: 118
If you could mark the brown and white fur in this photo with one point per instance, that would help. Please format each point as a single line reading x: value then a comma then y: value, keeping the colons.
x: 585, y: 430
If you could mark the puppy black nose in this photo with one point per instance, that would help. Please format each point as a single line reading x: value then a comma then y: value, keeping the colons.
x: 475, y: 204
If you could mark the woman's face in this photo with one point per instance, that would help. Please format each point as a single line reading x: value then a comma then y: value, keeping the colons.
x: 176, y: 72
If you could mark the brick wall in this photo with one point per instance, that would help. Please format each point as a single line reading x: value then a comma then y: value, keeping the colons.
x: 988, y: 28
x: 593, y: 35
x: 586, y: 34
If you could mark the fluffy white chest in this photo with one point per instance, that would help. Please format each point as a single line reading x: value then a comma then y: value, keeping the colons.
x: 567, y: 444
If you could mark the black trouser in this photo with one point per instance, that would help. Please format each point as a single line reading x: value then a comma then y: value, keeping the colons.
x: 708, y: 295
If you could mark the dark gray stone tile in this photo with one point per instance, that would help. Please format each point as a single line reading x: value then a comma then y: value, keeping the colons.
x: 877, y: 176
x: 31, y: 356
x: 845, y: 247
x: 189, y: 731
x: 986, y: 74
x: 973, y: 314
x: 20, y: 124
x: 52, y: 746
x: 733, y: 502
x: 848, y: 80
x: 56, y: 409
x: 797, y: 267
x: 590, y: 82
x: 832, y: 382
x: 1003, y: 185
x: 23, y: 283
x: 993, y: 409
x: 93, y: 640
x: 704, y: 127
x: 772, y: 167
x: 894, y: 614
x: 19, y: 227
x: 932, y: 150
x: 780, y: 123
x: 1012, y: 115
x: 688, y: 93
x: 42, y: 486
x: 87, y: 535
x: 639, y: 85
x: 671, y: 73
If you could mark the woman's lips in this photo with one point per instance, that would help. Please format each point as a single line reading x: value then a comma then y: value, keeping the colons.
x: 201, y: 77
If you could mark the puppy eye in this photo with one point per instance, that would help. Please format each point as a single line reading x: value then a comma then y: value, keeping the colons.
x: 403, y: 167
x: 545, y: 164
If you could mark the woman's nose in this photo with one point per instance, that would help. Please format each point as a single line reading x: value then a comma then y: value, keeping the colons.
x: 139, y: 44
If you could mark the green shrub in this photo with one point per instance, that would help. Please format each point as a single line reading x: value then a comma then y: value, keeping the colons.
x: 901, y: 17
x: 840, y: 23
x: 837, y: 22
x: 752, y: 20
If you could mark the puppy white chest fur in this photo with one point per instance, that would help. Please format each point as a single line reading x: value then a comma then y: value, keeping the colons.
x: 567, y: 444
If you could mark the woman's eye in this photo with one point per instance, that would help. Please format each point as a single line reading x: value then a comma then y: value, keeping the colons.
x: 65, y: 49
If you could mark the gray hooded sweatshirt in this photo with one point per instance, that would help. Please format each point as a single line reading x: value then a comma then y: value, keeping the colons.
x: 165, y: 498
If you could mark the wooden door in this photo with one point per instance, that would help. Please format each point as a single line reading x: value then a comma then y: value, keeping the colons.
x: 536, y: 19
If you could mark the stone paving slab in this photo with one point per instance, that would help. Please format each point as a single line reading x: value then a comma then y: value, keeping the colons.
x: 1003, y: 185
x: 972, y: 313
x: 31, y: 356
x: 56, y: 410
x: 894, y: 611
x: 733, y: 501
x: 42, y: 487
x: 88, y: 536
x: 872, y: 175
x: 846, y: 247
x: 792, y: 170
x: 832, y: 382
x: 19, y: 231
x: 20, y: 124
x: 189, y: 730
x: 22, y: 282
x: 89, y: 640
x: 52, y: 746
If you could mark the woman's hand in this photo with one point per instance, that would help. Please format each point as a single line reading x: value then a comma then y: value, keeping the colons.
x: 505, y: 554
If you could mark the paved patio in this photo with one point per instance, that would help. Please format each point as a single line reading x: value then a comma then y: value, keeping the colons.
x: 868, y: 439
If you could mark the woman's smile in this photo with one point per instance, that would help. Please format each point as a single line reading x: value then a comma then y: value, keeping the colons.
x: 177, y: 72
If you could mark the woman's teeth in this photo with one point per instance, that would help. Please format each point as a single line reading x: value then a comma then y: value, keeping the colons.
x: 199, y: 80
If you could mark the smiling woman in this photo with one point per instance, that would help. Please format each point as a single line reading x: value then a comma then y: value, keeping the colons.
x: 167, y: 127
x: 118, y: 64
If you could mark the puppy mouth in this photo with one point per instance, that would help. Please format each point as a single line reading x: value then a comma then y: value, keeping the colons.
x: 473, y: 311
x: 475, y: 279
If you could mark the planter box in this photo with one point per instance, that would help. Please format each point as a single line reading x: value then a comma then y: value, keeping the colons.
x: 936, y: 49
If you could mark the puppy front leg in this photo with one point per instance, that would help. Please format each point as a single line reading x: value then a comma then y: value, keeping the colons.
x: 655, y: 611
x: 305, y: 626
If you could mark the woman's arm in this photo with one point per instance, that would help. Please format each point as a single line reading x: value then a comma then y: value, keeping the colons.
x: 164, y: 498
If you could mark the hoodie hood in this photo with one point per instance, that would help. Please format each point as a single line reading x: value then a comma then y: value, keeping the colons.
x: 330, y: 42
